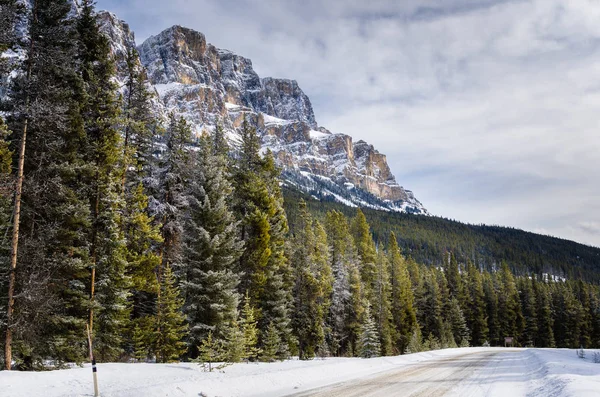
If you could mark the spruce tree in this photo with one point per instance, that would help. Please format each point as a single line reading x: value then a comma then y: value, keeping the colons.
x: 545, y: 333
x: 491, y: 308
x: 248, y: 325
x: 210, y: 351
x: 402, y: 298
x: 141, y: 231
x: 458, y: 324
x: 367, y: 254
x: 212, y: 247
x: 475, y: 307
x: 51, y: 273
x: 272, y: 345
x: 312, y: 283
x: 101, y: 110
x: 171, y: 328
x: 345, y: 310
x: 382, y: 310
x: 258, y: 204
x: 429, y: 304
x: 368, y: 344
x: 529, y: 309
x: 510, y: 317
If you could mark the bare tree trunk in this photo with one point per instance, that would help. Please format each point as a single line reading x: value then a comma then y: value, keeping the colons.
x: 17, y: 215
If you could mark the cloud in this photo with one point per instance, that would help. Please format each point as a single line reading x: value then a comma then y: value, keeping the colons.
x: 487, y: 110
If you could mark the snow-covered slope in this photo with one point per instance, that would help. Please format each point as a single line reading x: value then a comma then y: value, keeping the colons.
x: 208, y: 85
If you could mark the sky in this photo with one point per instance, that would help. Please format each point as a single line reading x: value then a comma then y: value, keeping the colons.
x: 488, y: 110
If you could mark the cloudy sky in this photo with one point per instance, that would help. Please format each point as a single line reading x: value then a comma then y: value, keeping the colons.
x: 488, y: 110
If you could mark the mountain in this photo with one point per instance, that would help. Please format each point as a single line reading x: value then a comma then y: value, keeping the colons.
x: 210, y: 86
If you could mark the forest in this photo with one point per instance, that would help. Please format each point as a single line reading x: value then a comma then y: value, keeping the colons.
x: 169, y: 246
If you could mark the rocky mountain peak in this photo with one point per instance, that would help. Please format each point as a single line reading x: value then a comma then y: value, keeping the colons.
x: 208, y: 85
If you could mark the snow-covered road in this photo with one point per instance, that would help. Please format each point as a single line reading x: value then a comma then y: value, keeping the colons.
x: 451, y: 372
x: 462, y: 375
x: 512, y: 373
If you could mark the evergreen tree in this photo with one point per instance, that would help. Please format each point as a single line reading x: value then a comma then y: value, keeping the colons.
x: 312, y: 285
x: 248, y: 325
x: 415, y: 344
x: 545, y: 333
x: 402, y: 298
x: 475, y: 310
x: 453, y: 277
x: 168, y: 186
x: 383, y: 314
x: 567, y: 316
x: 367, y: 254
x: 529, y: 309
x: 369, y: 345
x: 100, y: 111
x: 491, y: 308
x: 234, y: 343
x: 346, y: 296
x: 141, y: 231
x: 210, y: 351
x: 171, y: 327
x: 53, y: 255
x: 212, y: 248
x: 272, y: 345
x: 458, y: 324
x: 429, y: 304
x: 510, y: 318
x: 258, y: 203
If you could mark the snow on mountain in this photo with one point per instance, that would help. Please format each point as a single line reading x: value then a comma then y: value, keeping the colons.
x: 210, y: 86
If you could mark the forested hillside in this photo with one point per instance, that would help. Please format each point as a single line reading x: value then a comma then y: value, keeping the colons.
x: 426, y: 238
x: 168, y: 246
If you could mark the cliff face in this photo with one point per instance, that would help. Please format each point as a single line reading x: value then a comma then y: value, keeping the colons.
x: 207, y: 85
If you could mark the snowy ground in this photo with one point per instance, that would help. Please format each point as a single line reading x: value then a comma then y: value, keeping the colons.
x: 452, y: 372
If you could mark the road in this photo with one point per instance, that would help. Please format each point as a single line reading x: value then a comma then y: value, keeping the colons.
x: 474, y: 374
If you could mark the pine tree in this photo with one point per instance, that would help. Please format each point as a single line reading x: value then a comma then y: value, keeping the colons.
x: 402, y: 298
x: 171, y: 328
x: 369, y: 345
x: 212, y: 247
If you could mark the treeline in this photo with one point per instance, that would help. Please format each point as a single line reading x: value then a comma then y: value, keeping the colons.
x: 426, y: 238
x: 168, y: 246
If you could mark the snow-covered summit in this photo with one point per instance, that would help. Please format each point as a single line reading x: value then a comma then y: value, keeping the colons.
x: 208, y: 85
